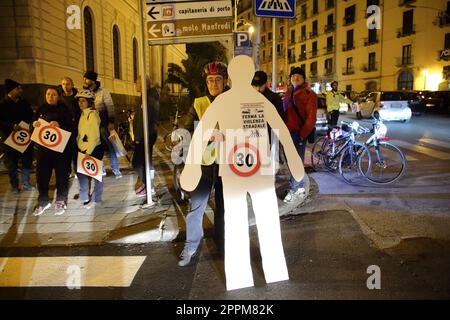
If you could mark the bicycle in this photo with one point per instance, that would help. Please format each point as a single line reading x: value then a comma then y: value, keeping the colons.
x: 338, y: 150
x: 389, y: 162
x: 172, y: 139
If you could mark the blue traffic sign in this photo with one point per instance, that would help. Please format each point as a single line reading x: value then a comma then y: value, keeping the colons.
x: 275, y: 8
x: 242, y: 43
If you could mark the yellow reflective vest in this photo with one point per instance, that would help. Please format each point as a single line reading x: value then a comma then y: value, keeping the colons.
x: 334, y: 99
x: 210, y: 154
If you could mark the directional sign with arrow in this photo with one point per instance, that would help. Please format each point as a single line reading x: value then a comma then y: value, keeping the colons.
x: 152, y: 13
x: 153, y: 31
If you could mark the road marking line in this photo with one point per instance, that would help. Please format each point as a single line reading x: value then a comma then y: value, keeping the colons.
x: 424, y: 150
x: 92, y: 271
x: 435, y: 142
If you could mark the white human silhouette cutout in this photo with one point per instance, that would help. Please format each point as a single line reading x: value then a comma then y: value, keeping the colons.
x: 242, y: 115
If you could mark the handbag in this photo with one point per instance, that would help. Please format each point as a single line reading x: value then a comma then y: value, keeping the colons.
x: 311, y: 138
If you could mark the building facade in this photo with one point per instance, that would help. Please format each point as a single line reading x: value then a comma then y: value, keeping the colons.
x: 43, y: 41
x: 398, y: 44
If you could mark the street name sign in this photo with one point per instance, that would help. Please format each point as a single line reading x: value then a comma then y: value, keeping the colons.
x: 189, y: 28
x: 189, y: 10
x: 275, y: 8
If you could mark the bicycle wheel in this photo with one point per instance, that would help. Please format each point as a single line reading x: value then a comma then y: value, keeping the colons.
x: 388, y: 163
x: 350, y: 163
x: 316, y: 153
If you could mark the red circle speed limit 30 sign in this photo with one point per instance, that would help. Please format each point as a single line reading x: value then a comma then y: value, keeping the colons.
x: 244, y: 160
x: 50, y: 136
x: 21, y: 137
x: 90, y: 166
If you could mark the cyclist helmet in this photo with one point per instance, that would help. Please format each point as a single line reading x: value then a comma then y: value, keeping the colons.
x: 215, y: 68
x: 85, y: 93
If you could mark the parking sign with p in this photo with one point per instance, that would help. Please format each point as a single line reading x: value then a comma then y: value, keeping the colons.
x: 242, y: 43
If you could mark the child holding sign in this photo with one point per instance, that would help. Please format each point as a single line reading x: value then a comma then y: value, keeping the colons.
x: 89, y: 143
x: 56, y: 113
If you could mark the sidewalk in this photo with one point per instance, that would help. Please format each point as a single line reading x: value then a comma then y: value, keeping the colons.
x: 119, y: 220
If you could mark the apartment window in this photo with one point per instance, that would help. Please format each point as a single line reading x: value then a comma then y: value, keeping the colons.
x: 303, y: 52
x: 405, y: 81
x: 89, y: 39
x: 372, y: 62
x: 372, y: 3
x: 447, y: 41
x: 281, y: 33
x: 292, y: 36
x: 349, y: 65
x: 263, y: 40
x: 303, y: 32
x: 314, y: 48
x: 329, y: 44
x: 264, y: 26
x: 350, y: 39
x: 264, y: 55
x: 315, y: 27
x: 278, y: 48
x: 328, y: 66
x: 349, y: 15
x: 315, y: 6
x: 269, y: 36
x: 135, y: 59
x: 408, y: 27
x: 372, y: 36
x: 330, y: 4
x: 313, y: 68
x: 406, y: 55
x: 116, y: 51
x: 330, y: 19
x: 303, y: 12
x: 303, y: 67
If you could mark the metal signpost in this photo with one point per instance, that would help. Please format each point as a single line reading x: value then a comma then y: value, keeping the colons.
x: 275, y: 9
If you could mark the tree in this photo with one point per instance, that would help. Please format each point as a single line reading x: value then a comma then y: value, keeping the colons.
x: 190, y: 75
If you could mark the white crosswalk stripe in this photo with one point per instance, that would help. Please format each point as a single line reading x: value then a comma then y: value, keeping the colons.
x: 430, y: 152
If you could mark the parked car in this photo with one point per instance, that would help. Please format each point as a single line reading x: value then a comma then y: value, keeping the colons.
x: 416, y: 101
x: 389, y: 105
x: 322, y: 122
x: 437, y: 101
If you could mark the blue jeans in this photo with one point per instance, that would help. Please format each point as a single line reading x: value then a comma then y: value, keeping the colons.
x: 194, y: 219
x: 300, y: 146
x: 111, y: 152
x: 84, y: 182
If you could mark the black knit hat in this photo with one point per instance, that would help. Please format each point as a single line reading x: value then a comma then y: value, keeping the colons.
x: 91, y: 75
x: 259, y: 79
x: 10, y: 85
x: 298, y: 70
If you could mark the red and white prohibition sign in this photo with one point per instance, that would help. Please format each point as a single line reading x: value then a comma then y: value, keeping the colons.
x: 90, y: 166
x: 21, y: 137
x: 50, y: 136
x: 244, y: 160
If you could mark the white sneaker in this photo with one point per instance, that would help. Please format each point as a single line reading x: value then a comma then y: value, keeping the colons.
x: 40, y: 210
x: 60, y: 208
x: 291, y: 194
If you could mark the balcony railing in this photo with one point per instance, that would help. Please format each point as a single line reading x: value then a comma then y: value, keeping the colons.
x: 348, y: 20
x: 313, y: 74
x: 313, y: 35
x: 329, y: 72
x: 328, y: 49
x: 348, y: 71
x: 314, y: 13
x: 404, y: 61
x: 348, y: 46
x: 292, y: 60
x: 330, y: 28
x: 370, y: 67
x: 404, y: 32
x: 369, y: 42
x: 313, y: 54
x: 302, y: 38
x: 302, y: 57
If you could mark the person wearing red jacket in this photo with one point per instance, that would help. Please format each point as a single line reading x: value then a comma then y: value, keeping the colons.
x: 300, y: 109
